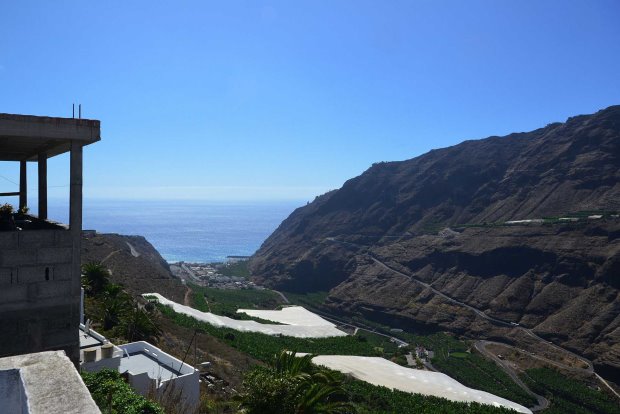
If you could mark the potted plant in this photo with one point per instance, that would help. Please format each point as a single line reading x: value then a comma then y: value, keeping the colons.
x: 22, y: 213
x: 21, y: 217
x: 7, y: 222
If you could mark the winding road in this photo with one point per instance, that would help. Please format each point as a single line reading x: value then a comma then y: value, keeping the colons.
x: 356, y: 328
x: 542, y: 402
x: 500, y: 322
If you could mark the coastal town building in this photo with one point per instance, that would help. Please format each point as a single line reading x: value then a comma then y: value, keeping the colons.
x: 39, y: 259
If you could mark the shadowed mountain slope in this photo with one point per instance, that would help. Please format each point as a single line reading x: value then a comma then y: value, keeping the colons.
x: 560, y: 278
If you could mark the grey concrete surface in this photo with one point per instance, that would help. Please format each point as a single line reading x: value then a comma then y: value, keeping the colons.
x: 40, y: 266
x: 50, y: 385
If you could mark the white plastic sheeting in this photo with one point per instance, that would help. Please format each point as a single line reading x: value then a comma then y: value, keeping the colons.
x: 291, y: 315
x: 380, y: 371
x: 295, y: 316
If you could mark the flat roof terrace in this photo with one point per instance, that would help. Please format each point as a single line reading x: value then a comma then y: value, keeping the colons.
x: 142, y: 357
x: 143, y: 361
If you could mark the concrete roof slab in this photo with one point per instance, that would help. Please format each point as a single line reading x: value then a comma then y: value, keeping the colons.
x: 23, y: 137
x: 51, y: 384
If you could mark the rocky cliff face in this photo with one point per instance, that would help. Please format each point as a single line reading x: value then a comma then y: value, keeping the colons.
x: 560, y: 278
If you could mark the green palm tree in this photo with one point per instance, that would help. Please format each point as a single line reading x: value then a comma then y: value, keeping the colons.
x: 115, y: 305
x: 288, y: 363
x: 139, y: 326
x: 114, y: 308
x: 322, y: 398
x: 95, y: 277
x: 294, y: 385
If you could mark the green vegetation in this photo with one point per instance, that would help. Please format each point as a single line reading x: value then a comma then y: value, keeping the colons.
x: 113, y: 310
x: 226, y: 301
x: 440, y: 343
x: 460, y: 355
x: 263, y: 347
x: 451, y: 357
x: 239, y: 269
x: 385, y: 347
x: 450, y: 354
x: 293, y: 384
x: 277, y: 390
x: 470, y: 369
x: 310, y: 300
x: 478, y: 372
x: 580, y: 216
x: 114, y: 396
x: 371, y: 399
x: 95, y: 278
x: 568, y: 395
x: 315, y: 301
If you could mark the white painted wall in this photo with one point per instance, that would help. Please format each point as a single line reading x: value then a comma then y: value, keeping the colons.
x: 187, y: 383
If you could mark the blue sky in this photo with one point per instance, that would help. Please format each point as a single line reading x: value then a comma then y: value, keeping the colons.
x: 286, y: 100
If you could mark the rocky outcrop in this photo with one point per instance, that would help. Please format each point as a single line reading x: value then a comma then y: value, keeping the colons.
x: 133, y: 262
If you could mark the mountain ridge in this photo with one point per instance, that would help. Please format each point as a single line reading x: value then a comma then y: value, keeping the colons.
x: 541, y: 273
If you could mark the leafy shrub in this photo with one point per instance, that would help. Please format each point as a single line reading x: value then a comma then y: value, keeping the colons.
x: 115, y: 311
x: 294, y: 385
x: 113, y: 395
x: 6, y: 210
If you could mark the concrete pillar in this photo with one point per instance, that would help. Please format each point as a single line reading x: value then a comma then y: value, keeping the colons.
x: 23, y: 184
x: 43, y: 186
x: 75, y: 227
x: 82, y: 305
x: 75, y: 202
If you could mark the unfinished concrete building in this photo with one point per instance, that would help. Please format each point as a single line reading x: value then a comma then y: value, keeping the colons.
x: 39, y: 259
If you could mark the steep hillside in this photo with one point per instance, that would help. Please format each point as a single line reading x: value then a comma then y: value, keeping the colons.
x: 133, y: 262
x: 560, y: 278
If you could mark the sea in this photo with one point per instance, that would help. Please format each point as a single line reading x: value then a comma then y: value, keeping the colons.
x: 186, y: 230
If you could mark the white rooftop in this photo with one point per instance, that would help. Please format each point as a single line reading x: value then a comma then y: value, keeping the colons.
x: 142, y: 361
x: 142, y: 357
x: 151, y: 370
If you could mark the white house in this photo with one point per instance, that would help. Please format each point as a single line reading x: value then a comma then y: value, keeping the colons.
x: 150, y: 370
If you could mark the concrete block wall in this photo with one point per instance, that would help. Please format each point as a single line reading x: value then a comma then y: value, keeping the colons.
x: 39, y: 292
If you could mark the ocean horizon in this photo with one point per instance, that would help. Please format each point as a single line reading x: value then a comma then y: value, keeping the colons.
x: 185, y: 230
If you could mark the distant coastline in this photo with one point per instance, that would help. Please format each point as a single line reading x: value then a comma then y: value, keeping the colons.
x: 187, y: 230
